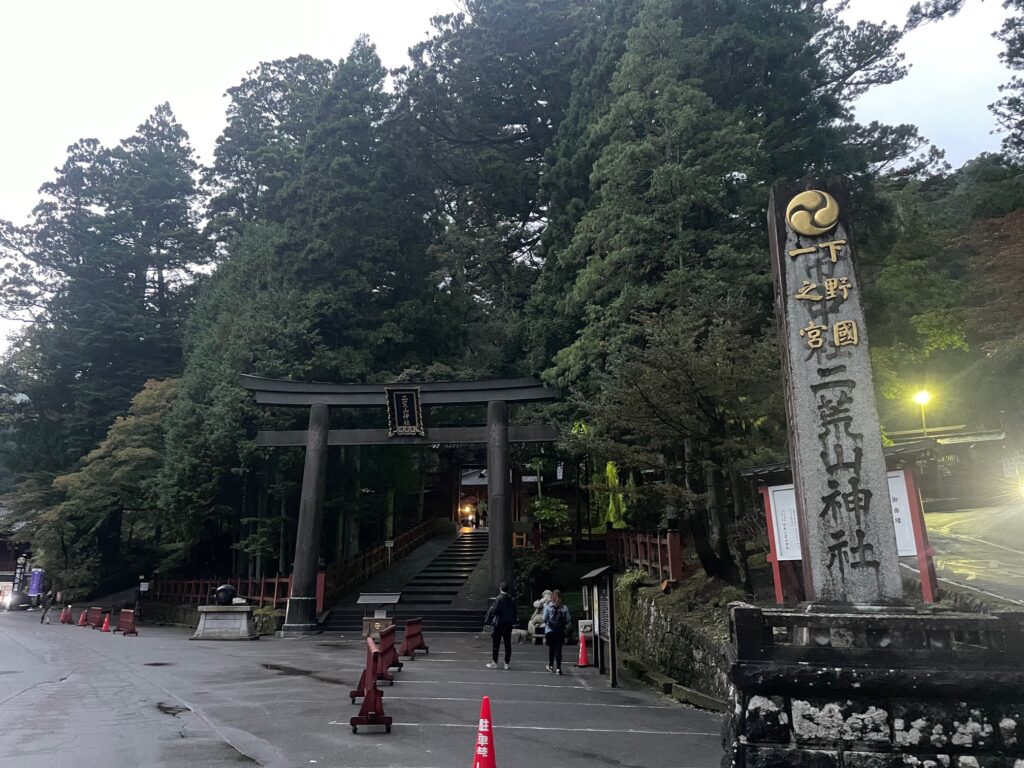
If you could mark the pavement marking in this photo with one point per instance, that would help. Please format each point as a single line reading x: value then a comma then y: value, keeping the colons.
x: 514, y: 685
x: 496, y: 727
x: 534, y: 702
x: 967, y: 586
x: 989, y: 543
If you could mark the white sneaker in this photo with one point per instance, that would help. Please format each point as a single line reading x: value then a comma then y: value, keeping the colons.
x: 492, y: 665
x: 559, y: 671
x: 506, y: 666
x: 549, y: 668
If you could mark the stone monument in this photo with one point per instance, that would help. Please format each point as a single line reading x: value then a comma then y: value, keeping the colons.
x: 835, y: 443
x: 857, y: 678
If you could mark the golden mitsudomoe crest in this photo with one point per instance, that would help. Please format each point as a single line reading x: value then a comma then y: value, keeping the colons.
x: 812, y: 213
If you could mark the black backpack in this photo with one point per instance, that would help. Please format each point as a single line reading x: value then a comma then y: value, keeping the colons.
x: 558, y: 620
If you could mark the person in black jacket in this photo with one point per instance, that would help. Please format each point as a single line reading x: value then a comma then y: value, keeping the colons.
x: 502, y: 617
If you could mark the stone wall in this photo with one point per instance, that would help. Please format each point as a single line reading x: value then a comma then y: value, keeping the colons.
x: 931, y: 689
x: 667, y: 637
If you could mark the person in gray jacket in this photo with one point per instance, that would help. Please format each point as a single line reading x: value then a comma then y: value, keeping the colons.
x: 502, y: 618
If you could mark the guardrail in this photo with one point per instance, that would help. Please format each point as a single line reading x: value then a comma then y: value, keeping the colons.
x: 660, y: 555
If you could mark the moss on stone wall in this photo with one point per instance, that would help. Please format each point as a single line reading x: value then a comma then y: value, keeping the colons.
x: 683, y: 635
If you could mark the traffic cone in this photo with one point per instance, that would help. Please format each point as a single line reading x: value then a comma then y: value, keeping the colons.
x: 106, y: 623
x: 483, y: 750
x: 583, y: 661
x: 83, y: 617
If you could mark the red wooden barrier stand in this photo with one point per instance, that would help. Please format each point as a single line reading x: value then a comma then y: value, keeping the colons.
x: 95, y: 618
x: 372, y: 711
x: 126, y: 622
x: 380, y: 670
x: 388, y: 652
x: 413, y: 639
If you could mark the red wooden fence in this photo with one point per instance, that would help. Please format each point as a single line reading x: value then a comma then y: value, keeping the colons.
x: 659, y: 555
x: 273, y: 591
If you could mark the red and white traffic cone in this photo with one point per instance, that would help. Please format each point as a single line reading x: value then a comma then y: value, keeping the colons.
x: 483, y: 750
x: 83, y: 617
x: 106, y: 623
x: 584, y: 660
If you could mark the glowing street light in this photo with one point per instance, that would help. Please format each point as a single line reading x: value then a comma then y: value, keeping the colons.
x: 922, y: 398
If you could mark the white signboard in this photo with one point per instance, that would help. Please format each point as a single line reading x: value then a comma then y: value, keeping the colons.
x: 143, y: 586
x: 905, y: 545
x: 782, y: 500
x: 784, y: 522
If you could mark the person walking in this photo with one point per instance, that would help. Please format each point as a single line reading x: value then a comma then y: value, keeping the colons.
x: 502, y: 618
x: 47, y: 605
x: 556, y: 624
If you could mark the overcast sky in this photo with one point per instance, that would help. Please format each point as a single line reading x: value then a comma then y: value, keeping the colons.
x: 73, y: 69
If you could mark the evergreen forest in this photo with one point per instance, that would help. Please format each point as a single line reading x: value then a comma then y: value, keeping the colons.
x: 573, y: 189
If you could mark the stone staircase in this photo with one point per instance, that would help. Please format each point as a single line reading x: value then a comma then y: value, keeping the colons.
x: 441, y: 580
x: 431, y: 592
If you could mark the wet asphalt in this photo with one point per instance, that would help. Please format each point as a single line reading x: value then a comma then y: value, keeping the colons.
x: 76, y: 697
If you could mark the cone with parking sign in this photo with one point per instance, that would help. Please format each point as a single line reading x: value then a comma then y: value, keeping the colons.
x: 483, y: 750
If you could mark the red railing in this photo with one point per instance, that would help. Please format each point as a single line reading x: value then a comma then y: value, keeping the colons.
x: 267, y: 592
x: 343, y: 578
x: 273, y: 591
x: 659, y: 555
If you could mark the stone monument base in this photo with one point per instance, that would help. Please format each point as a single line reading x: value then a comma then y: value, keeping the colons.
x: 299, y: 630
x: 225, y: 622
x: 844, y: 688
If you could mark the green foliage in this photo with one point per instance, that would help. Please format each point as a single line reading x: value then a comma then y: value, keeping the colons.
x: 532, y: 571
x: 102, y: 519
x: 575, y: 189
x: 553, y: 515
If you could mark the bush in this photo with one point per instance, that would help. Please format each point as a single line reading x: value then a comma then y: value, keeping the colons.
x: 553, y: 516
x: 533, y: 571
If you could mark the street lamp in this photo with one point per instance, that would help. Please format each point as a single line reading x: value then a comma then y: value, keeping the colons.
x: 923, y: 397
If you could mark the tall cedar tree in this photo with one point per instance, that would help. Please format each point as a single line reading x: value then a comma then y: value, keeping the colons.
x: 709, y: 106
x: 102, y: 275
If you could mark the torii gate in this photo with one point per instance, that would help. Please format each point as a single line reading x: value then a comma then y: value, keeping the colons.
x: 405, y: 427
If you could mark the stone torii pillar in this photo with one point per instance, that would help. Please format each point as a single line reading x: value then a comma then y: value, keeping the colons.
x: 300, y: 615
x: 499, y: 508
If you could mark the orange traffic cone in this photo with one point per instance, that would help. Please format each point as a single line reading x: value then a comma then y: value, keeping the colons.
x: 584, y: 661
x: 106, y: 623
x: 483, y: 750
x: 83, y: 617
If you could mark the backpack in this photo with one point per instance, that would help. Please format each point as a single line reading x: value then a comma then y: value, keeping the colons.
x: 558, y: 619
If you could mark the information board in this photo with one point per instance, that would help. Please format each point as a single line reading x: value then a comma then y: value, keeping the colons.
x: 905, y: 545
x: 603, y: 612
x: 786, y: 529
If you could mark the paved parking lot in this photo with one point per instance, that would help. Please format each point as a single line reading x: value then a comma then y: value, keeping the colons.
x: 72, y: 696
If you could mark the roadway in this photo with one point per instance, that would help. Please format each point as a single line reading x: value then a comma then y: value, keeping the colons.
x: 72, y: 697
x: 981, y: 549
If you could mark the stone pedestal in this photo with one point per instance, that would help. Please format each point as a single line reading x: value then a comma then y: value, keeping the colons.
x: 225, y: 622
